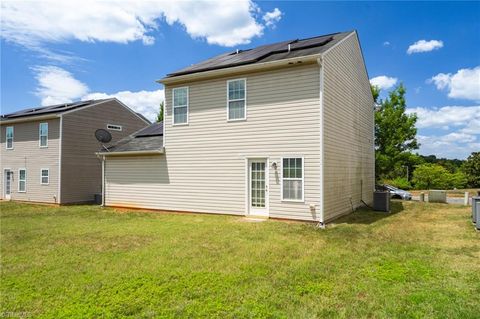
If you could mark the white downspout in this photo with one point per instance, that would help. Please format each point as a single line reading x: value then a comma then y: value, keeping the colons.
x: 322, y: 157
x: 103, y: 180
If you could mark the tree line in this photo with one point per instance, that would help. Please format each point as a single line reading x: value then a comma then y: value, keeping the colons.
x: 395, y: 142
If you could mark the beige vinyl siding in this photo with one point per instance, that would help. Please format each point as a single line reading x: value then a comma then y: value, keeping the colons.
x: 203, y: 169
x: 28, y: 154
x: 348, y: 130
x: 81, y: 169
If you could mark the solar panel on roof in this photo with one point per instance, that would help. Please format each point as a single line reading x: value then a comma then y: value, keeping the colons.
x: 270, y: 52
x: 49, y: 109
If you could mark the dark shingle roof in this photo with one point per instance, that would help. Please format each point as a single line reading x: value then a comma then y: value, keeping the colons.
x: 149, y: 138
x: 266, y: 53
x: 57, y: 108
x: 155, y: 129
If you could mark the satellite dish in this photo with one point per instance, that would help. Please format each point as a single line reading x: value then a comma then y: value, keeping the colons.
x: 103, y: 136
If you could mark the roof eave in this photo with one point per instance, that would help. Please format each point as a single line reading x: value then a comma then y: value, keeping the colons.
x: 27, y: 118
x: 132, y: 153
x: 237, y: 69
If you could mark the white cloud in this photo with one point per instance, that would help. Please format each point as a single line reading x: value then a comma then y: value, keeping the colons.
x: 386, y: 43
x: 271, y: 18
x: 384, y: 82
x: 424, y: 46
x: 449, y: 146
x: 462, y: 122
x: 447, y: 115
x: 146, y: 103
x: 56, y: 85
x: 465, y: 84
x: 37, y: 23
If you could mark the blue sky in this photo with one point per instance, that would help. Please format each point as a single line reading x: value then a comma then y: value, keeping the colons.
x: 78, y: 50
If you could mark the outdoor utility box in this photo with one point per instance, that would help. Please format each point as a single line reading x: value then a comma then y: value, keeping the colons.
x: 98, y: 199
x: 475, y: 209
x: 381, y: 201
x: 477, y: 215
x: 437, y: 196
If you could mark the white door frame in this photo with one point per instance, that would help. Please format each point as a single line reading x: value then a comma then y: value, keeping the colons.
x: 248, y: 208
x: 6, y: 172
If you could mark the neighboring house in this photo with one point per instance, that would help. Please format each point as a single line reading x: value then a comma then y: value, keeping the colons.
x: 283, y: 130
x: 48, y: 153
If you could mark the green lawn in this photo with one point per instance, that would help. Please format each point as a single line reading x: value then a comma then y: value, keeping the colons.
x: 422, y: 261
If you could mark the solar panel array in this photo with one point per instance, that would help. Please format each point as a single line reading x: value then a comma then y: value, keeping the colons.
x: 280, y: 50
x: 57, y: 108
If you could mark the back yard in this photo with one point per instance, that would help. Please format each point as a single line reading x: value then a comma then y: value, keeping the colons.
x: 85, y: 261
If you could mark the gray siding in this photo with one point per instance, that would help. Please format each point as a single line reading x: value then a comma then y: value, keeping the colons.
x: 28, y: 154
x: 81, y: 169
x: 203, y: 169
x: 348, y: 130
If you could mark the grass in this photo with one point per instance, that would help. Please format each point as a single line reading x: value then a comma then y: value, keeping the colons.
x: 422, y: 261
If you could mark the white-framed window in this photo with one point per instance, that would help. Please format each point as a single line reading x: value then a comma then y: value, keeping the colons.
x: 43, y: 134
x: 114, y: 127
x: 44, y: 176
x: 236, y: 99
x: 9, y: 137
x: 22, y: 180
x: 180, y: 106
x: 293, y: 179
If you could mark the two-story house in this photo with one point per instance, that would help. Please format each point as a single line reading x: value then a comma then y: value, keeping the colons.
x: 283, y: 130
x: 48, y: 153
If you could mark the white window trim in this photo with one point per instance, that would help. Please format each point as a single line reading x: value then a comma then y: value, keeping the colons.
x: 6, y: 137
x: 48, y: 176
x: 302, y: 200
x: 244, y: 99
x: 114, y: 127
x: 173, y: 106
x: 40, y: 135
x: 25, y: 180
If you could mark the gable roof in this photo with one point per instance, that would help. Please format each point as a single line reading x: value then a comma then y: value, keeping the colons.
x: 57, y: 108
x: 148, y: 139
x: 266, y: 53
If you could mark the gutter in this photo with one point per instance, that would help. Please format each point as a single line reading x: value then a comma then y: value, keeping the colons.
x: 239, y: 69
x: 128, y: 153
x: 30, y: 118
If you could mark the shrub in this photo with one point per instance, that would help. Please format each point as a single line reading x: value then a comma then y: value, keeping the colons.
x: 458, y: 180
x: 428, y: 176
x: 399, y: 182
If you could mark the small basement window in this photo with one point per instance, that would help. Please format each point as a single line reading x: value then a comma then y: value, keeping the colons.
x: 114, y: 127
x: 22, y: 180
x: 45, y: 176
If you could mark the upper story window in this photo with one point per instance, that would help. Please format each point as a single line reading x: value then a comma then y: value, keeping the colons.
x: 114, y: 127
x: 236, y: 99
x: 43, y: 134
x: 180, y: 105
x: 292, y: 179
x: 9, y: 137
